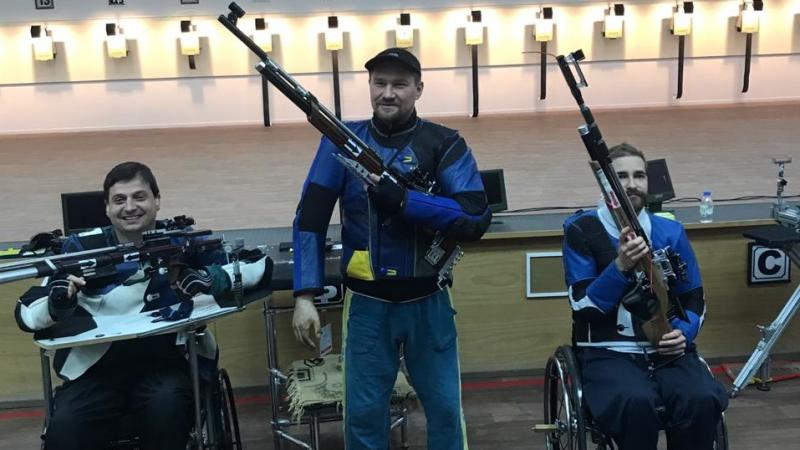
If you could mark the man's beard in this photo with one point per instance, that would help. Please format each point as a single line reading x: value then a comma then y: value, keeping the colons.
x: 638, y: 199
x: 390, y: 117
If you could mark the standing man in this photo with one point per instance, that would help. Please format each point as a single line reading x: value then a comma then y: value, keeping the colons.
x: 147, y: 377
x: 633, y: 388
x: 393, y: 299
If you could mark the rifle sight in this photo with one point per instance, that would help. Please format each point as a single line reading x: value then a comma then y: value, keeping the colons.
x: 178, y: 223
x: 236, y: 12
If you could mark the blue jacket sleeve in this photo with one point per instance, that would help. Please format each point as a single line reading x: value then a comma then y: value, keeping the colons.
x: 321, y: 190
x: 590, y: 287
x: 460, y: 209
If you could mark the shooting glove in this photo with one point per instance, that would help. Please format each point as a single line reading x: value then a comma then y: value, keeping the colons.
x: 191, y: 282
x: 387, y: 197
x: 640, y: 303
x: 60, y: 305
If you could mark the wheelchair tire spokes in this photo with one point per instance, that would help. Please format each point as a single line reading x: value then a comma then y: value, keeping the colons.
x: 562, y: 405
x: 219, y: 417
x: 566, y: 412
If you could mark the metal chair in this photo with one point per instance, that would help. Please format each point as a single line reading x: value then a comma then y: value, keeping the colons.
x: 313, y: 416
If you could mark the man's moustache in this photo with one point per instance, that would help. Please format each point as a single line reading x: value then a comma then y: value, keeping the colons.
x: 635, y: 194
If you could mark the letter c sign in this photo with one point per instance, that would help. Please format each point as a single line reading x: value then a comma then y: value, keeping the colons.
x: 767, y: 265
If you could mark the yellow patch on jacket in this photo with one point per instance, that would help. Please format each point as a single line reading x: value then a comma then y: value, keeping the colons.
x: 360, y: 266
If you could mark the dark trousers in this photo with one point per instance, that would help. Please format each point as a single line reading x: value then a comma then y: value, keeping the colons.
x: 154, y: 388
x: 632, y: 396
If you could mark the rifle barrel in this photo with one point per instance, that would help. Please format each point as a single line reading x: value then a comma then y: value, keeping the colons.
x: 46, y: 266
x: 317, y: 114
x: 18, y: 274
x: 31, y: 262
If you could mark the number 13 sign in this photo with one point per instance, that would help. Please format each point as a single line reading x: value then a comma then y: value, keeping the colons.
x: 44, y: 4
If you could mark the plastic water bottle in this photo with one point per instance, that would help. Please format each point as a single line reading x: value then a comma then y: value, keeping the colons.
x: 706, y: 208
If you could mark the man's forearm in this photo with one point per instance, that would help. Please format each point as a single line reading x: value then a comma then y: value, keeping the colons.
x: 608, y: 288
x: 441, y: 213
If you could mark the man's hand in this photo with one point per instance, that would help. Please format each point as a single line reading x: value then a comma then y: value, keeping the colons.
x: 306, y: 321
x: 191, y: 282
x: 672, y: 343
x: 62, y: 298
x: 630, y: 251
x: 387, y: 196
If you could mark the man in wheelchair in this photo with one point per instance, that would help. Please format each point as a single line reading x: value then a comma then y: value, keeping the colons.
x: 149, y: 377
x: 633, y: 388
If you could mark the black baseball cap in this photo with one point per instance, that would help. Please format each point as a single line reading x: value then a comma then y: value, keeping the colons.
x: 397, y: 55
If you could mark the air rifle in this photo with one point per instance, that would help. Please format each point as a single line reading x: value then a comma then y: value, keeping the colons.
x: 156, y: 253
x: 657, y: 268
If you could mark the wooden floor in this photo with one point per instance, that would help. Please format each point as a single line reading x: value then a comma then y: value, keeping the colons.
x: 250, y: 177
x: 498, y: 418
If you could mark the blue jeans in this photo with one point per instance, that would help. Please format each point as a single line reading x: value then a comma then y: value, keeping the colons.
x: 374, y: 332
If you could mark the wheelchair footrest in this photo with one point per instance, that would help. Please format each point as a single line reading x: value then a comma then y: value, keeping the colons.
x: 545, y: 427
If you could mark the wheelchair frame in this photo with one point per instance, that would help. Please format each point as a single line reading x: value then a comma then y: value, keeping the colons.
x: 219, y: 431
x: 568, y: 421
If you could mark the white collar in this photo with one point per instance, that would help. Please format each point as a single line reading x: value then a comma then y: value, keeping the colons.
x: 611, y: 227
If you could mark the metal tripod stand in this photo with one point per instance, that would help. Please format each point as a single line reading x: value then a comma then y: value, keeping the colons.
x: 785, y: 236
x: 759, y: 360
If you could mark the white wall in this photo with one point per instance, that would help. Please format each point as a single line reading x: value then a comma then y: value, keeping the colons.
x: 154, y: 87
x: 236, y: 100
x: 23, y: 10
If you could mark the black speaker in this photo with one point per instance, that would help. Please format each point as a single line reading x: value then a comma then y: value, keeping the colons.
x: 547, y: 12
x: 476, y: 16
x: 333, y: 22
x: 619, y: 9
x: 688, y: 7
x: 405, y: 19
x: 186, y: 26
x: 260, y: 23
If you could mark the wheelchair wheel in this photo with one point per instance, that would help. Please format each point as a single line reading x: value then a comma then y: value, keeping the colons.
x: 721, y: 438
x: 229, y: 418
x: 562, y: 402
x: 222, y: 422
